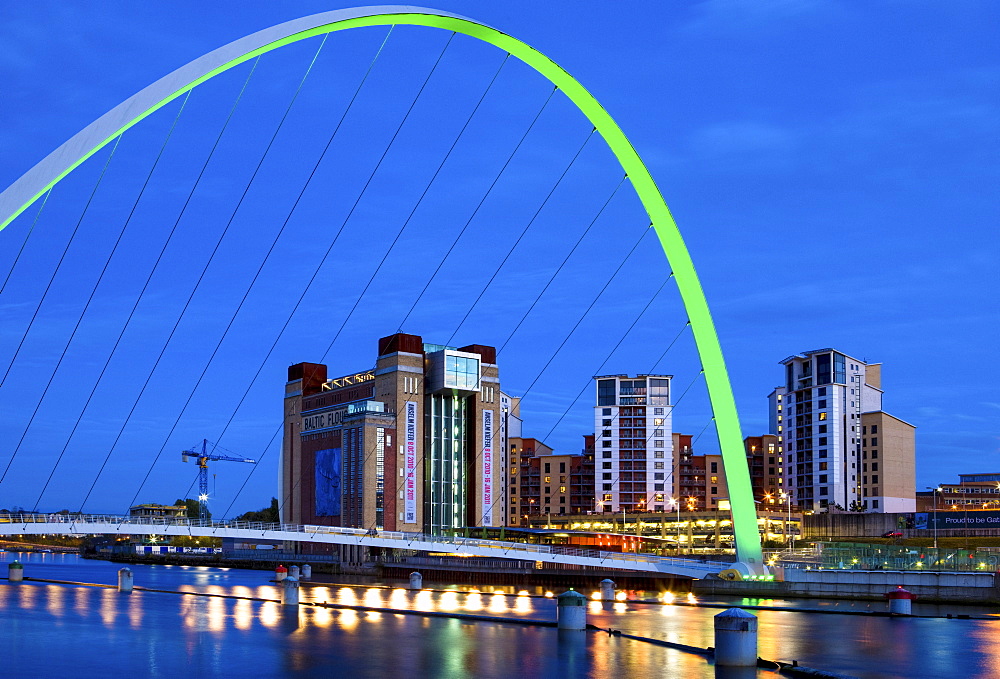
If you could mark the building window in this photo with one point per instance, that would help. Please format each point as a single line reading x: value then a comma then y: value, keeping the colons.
x: 875, y: 478
x: 658, y: 453
x: 606, y: 477
x: 658, y: 443
x: 874, y: 429
x: 715, y: 467
x: 562, y: 467
x: 657, y: 465
x: 548, y: 479
x: 714, y: 491
x: 657, y: 432
x: 562, y: 489
x: 605, y: 444
x: 824, y: 491
x: 606, y: 393
x: 822, y: 416
x: 658, y: 476
x: 606, y: 422
x: 823, y: 478
x: 606, y: 454
x: 607, y: 496
x: 657, y: 421
x: 607, y: 486
x: 657, y: 411
x: 606, y: 465
x: 874, y: 440
x: 548, y: 468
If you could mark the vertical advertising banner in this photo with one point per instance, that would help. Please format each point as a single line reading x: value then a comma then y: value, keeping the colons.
x: 487, y: 467
x: 328, y: 482
x: 410, y: 463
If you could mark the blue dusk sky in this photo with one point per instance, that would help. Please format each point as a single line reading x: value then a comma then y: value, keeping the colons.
x: 832, y: 165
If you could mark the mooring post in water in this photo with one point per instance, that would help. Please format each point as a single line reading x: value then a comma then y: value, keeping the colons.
x: 290, y: 591
x: 900, y: 601
x: 307, y: 572
x: 15, y: 572
x: 125, y: 580
x: 607, y: 589
x: 416, y: 580
x: 736, y: 638
x: 571, y: 611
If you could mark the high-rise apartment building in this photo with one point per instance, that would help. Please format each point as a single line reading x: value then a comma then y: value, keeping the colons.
x: 840, y: 448
x: 633, y: 451
x: 414, y: 444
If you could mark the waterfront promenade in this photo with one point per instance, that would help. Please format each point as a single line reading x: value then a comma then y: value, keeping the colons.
x: 240, y: 630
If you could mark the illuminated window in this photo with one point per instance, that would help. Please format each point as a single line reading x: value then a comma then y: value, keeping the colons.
x: 548, y: 479
x: 562, y: 489
x: 822, y: 416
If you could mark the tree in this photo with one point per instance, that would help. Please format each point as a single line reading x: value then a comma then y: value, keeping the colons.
x: 193, y: 508
x: 266, y: 515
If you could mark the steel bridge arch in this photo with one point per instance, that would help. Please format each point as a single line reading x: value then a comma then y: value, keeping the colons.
x: 47, y: 173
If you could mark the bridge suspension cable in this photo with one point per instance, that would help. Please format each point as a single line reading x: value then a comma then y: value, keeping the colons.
x: 173, y: 230
x: 256, y: 275
x: 90, y: 299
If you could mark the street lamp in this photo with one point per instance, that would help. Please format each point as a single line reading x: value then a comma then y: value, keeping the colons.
x: 935, y: 493
x: 676, y: 502
x: 787, y: 497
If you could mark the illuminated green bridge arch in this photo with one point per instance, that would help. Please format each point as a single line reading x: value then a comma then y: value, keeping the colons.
x: 33, y: 184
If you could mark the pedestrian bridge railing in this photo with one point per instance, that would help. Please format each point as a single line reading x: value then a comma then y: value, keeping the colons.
x: 36, y: 524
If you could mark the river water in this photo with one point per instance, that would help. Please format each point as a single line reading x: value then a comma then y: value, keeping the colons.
x: 52, y: 630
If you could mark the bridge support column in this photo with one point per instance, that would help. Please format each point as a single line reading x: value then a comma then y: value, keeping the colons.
x: 125, y: 580
x: 416, y: 580
x: 571, y: 612
x: 290, y: 591
x: 607, y: 589
x: 15, y: 572
x: 736, y: 638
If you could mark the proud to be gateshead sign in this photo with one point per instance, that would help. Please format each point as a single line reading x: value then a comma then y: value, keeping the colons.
x: 970, y: 519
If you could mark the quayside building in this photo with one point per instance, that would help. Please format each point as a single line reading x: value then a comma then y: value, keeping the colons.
x: 416, y: 443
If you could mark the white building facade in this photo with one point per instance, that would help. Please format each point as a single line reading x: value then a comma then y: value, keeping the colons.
x: 822, y: 415
x: 633, y: 448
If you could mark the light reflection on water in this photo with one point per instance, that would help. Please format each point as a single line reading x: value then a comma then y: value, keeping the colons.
x: 231, y: 636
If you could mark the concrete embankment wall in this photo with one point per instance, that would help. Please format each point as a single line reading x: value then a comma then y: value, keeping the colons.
x: 866, y: 585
